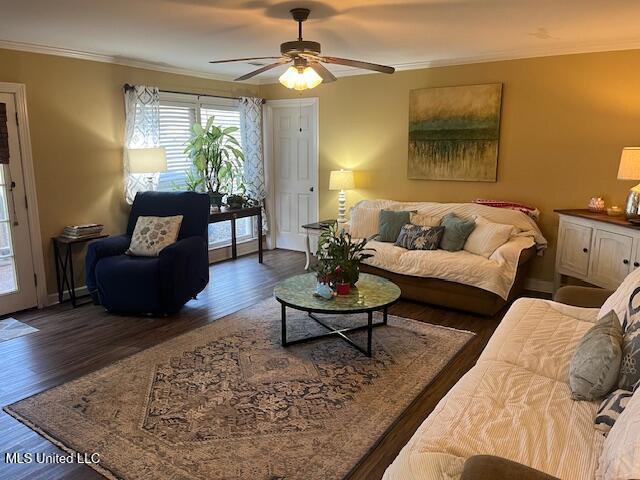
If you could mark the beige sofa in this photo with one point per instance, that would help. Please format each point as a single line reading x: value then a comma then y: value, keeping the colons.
x: 459, y: 280
x: 514, y: 403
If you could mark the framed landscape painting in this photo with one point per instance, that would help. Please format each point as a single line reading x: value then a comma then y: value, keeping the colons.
x: 454, y: 133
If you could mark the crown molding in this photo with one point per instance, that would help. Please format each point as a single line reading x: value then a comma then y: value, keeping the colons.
x: 127, y: 62
x: 514, y: 54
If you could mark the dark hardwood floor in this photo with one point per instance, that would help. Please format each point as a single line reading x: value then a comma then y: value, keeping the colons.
x: 73, y: 342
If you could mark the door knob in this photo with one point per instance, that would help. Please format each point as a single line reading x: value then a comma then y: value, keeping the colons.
x: 585, y: 250
x: 625, y: 261
x: 636, y: 264
x: 311, y: 189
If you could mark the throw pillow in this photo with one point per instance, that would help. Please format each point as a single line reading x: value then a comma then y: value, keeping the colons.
x: 456, y: 232
x: 620, y: 454
x: 425, y: 220
x: 629, y: 377
x: 595, y: 364
x: 364, y: 222
x: 487, y: 237
x: 390, y: 224
x: 416, y: 237
x: 610, y: 409
x: 152, y: 234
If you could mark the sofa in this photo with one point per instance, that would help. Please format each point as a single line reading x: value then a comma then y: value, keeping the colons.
x: 515, y: 404
x: 159, y: 285
x: 459, y: 280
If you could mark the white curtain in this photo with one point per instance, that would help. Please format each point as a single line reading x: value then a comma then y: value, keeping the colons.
x: 142, y: 130
x: 251, y: 131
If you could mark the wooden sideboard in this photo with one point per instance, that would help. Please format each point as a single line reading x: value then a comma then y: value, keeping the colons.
x: 596, y: 248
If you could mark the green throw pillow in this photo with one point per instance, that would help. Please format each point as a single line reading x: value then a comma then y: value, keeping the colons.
x: 456, y: 232
x: 391, y: 223
x: 595, y: 364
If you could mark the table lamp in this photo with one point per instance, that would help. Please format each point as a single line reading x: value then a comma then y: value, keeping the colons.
x: 630, y: 170
x: 341, y: 180
x: 147, y: 161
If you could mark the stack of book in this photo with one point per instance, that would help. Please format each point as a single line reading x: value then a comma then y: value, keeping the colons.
x: 81, y: 231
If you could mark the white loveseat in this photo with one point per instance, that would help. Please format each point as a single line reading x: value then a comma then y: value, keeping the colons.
x: 515, y: 403
x: 460, y: 280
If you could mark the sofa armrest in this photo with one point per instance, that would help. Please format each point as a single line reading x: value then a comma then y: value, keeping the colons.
x: 106, y: 247
x: 489, y: 467
x: 586, y: 297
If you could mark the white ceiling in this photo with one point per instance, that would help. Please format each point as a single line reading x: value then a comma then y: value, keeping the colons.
x: 186, y: 34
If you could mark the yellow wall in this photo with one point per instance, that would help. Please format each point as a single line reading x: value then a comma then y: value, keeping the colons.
x: 564, y: 122
x: 76, y: 115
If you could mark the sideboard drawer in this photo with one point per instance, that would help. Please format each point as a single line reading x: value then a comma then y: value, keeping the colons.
x: 574, y: 252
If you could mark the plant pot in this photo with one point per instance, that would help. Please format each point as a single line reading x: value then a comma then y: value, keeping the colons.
x: 235, y: 201
x: 343, y: 288
x: 216, y: 199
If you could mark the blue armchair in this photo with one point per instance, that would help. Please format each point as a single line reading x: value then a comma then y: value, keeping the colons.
x: 153, y: 285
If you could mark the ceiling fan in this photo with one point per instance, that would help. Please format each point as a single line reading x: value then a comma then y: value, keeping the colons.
x: 307, y: 70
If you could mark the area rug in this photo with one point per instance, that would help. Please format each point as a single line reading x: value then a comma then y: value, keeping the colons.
x: 11, y: 328
x: 227, y: 401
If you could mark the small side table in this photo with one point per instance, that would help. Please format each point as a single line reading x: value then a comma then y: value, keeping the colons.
x: 231, y: 214
x: 64, y: 265
x: 314, y: 230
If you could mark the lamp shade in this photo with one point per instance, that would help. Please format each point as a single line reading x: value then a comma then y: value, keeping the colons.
x: 629, y: 164
x: 341, y: 180
x: 147, y: 160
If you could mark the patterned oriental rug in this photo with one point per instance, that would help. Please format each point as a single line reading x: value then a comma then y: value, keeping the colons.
x: 226, y: 401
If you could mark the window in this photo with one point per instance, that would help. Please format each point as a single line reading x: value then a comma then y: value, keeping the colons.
x: 178, y: 113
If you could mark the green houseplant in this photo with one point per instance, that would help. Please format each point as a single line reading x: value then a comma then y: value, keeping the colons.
x: 339, y: 257
x: 217, y: 159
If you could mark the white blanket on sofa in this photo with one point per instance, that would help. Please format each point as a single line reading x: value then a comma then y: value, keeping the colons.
x: 495, y: 274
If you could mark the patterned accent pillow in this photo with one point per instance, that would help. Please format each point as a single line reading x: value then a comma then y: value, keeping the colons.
x: 610, y: 409
x: 417, y: 237
x: 152, y: 234
x: 629, y: 378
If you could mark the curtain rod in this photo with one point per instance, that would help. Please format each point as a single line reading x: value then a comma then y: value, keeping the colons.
x: 128, y: 86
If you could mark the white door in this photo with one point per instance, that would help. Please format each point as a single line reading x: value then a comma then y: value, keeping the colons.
x: 17, y: 278
x: 296, y: 172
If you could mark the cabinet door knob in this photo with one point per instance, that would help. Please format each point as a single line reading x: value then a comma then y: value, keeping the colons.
x: 585, y: 250
x: 625, y: 261
x: 636, y: 264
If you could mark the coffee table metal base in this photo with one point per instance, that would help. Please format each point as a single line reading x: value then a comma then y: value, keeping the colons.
x: 340, y: 332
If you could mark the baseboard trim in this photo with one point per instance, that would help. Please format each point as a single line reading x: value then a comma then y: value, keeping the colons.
x: 537, y: 285
x: 52, y: 298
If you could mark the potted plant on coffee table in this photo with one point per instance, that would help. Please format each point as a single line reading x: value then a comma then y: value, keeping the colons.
x: 339, y: 258
x: 217, y: 158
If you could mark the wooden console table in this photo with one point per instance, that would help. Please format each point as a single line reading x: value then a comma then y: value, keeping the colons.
x: 232, y: 214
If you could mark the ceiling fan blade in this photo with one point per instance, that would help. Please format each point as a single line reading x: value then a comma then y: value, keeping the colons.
x: 244, y: 59
x: 263, y: 69
x: 358, y: 64
x: 321, y: 70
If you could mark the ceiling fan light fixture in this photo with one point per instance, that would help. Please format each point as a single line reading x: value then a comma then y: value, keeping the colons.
x: 300, y: 78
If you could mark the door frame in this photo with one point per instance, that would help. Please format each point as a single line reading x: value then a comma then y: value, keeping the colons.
x: 19, y: 91
x: 314, y: 103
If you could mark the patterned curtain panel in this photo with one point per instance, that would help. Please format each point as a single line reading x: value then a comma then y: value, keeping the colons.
x: 251, y: 130
x: 142, y: 130
x: 4, y: 135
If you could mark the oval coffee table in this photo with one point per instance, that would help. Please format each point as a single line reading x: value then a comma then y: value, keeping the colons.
x: 372, y: 293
